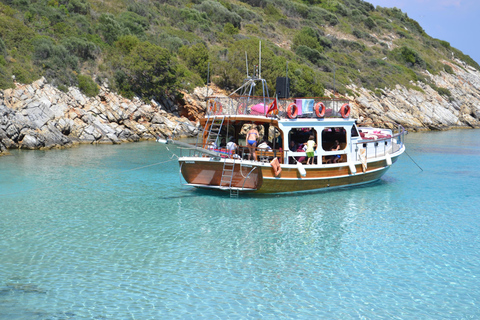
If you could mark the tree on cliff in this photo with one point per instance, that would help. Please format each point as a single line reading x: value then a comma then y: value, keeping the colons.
x: 147, y: 71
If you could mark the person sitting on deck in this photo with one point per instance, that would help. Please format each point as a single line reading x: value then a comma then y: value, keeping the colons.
x: 232, y: 148
x: 301, y: 148
x: 264, y: 146
x: 336, y: 157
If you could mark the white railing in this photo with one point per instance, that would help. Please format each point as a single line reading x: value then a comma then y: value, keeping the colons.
x: 381, y: 146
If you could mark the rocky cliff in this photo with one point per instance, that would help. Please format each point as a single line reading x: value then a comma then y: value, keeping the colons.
x: 39, y: 116
x: 423, y: 108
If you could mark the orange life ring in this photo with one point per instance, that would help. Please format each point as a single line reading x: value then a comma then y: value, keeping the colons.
x: 214, y: 106
x: 292, y: 111
x: 345, y: 110
x: 320, y: 110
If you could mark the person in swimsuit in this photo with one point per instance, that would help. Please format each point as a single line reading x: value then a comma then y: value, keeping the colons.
x: 252, y: 136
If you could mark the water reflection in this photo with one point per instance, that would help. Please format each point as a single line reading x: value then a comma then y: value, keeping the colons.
x: 262, y: 227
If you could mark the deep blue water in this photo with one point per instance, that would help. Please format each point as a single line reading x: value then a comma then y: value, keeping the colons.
x: 108, y: 232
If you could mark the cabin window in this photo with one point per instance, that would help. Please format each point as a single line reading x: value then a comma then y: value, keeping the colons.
x: 355, y: 131
x: 331, y: 135
x: 297, y: 137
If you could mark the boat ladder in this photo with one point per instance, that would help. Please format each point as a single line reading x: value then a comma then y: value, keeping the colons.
x: 214, y: 130
x: 227, y: 177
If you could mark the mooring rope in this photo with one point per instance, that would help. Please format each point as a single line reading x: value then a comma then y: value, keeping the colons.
x: 413, y: 160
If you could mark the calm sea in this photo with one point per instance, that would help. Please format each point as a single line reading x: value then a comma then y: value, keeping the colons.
x: 108, y: 232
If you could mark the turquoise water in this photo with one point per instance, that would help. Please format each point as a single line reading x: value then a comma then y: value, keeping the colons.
x: 108, y: 232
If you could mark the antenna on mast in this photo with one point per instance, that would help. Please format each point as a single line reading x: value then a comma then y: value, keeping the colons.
x: 246, y: 62
x: 260, y: 60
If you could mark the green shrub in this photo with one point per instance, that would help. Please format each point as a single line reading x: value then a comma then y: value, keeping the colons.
x: 191, y: 18
x: 111, y: 29
x: 310, y: 54
x: 171, y: 42
x: 219, y: 13
x: 273, y: 12
x: 23, y: 74
x: 448, y: 69
x: 251, y: 29
x: 352, y: 45
x: 409, y: 56
x: 307, y: 37
x: 466, y: 58
x: 142, y: 9
x: 196, y: 58
x: 228, y: 28
x: 416, y: 88
x: 5, y: 80
x: 62, y: 88
x: 369, y: 23
x: 357, y: 33
x: 445, y: 44
x: 78, y: 6
x: 247, y: 15
x: 148, y: 71
x: 135, y: 23
x: 321, y: 16
x: 126, y: 43
x: 82, y: 48
x: 3, y: 48
x: 403, y: 34
x: 304, y: 82
x: 87, y: 85
x: 416, y: 26
x: 335, y: 7
x: 444, y: 92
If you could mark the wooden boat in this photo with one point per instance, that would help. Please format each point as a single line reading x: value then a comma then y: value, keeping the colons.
x: 364, y: 153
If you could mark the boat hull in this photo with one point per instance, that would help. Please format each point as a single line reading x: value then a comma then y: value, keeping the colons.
x: 260, y: 177
x: 208, y: 174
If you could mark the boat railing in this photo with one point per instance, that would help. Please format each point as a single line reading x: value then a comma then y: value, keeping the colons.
x: 260, y: 106
x: 381, y: 146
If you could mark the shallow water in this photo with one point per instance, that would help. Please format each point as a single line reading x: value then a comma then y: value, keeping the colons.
x: 108, y: 232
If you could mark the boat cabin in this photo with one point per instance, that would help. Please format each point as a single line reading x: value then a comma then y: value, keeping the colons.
x: 284, y: 139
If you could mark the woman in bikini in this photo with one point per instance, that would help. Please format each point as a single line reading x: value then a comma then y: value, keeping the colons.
x: 252, y: 136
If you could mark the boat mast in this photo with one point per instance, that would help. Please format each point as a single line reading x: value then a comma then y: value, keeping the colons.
x: 260, y: 60
x: 246, y: 62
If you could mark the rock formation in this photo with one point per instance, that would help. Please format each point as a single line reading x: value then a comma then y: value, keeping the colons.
x: 40, y: 116
x: 425, y: 108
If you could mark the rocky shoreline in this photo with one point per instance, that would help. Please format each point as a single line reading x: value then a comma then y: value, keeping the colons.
x: 39, y: 116
x: 425, y: 109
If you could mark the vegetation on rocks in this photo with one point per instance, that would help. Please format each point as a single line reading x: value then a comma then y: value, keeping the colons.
x: 158, y: 49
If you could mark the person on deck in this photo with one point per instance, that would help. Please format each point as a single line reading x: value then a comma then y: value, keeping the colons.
x: 334, y: 158
x: 264, y: 145
x: 310, y: 151
x: 232, y: 148
x: 252, y: 136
